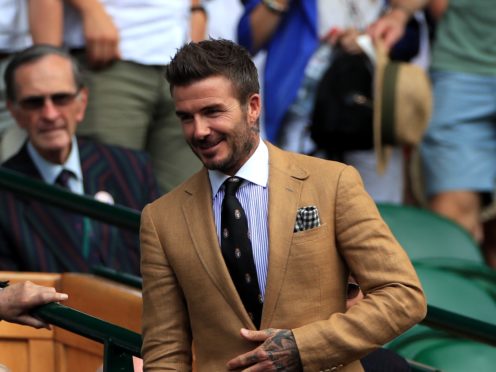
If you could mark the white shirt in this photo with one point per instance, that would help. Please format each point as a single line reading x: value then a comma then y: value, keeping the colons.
x: 50, y: 171
x: 150, y: 31
x: 253, y: 196
x: 14, y: 26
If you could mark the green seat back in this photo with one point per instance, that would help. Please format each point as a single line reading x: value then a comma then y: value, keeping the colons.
x: 443, y: 351
x: 459, y: 356
x: 450, y: 291
x: 425, y: 234
x: 481, y: 275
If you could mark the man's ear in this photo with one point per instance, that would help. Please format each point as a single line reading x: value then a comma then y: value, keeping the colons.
x: 254, y: 108
x: 14, y: 111
x: 82, y: 102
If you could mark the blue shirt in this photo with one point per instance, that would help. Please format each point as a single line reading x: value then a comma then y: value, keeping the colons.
x: 50, y: 171
x: 253, y: 196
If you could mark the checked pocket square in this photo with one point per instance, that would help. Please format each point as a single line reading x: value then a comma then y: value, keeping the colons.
x: 307, y: 218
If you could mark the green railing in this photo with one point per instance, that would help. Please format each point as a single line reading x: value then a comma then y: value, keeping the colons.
x: 460, y: 325
x: 120, y: 344
x: 117, y: 276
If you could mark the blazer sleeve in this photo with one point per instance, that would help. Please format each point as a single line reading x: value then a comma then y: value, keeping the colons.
x: 165, y: 323
x: 394, y: 300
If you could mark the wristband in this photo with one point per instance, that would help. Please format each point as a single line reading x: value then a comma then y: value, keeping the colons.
x: 198, y: 8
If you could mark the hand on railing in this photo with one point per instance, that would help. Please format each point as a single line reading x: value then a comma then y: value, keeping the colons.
x: 17, y: 300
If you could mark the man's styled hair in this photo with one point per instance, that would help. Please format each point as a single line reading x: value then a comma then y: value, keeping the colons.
x: 215, y: 57
x: 33, y: 54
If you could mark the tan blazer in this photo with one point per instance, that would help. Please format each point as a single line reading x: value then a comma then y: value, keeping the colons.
x: 189, y: 297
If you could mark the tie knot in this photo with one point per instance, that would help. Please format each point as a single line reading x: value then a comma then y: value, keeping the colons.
x: 64, y: 177
x: 232, y: 185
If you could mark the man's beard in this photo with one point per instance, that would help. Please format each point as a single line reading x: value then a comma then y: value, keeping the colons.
x: 240, y: 147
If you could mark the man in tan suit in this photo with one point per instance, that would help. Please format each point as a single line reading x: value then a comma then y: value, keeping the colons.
x: 309, y: 223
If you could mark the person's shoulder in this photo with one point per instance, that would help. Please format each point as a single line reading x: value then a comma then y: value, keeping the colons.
x: 17, y: 159
x: 307, y: 163
x: 21, y: 162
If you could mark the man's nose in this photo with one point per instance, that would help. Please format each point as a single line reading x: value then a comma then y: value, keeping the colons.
x: 49, y: 110
x: 201, y: 128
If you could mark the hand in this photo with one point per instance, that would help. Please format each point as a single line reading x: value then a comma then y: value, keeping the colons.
x: 389, y: 28
x: 102, y: 38
x: 18, y: 299
x: 278, y: 352
x: 346, y: 39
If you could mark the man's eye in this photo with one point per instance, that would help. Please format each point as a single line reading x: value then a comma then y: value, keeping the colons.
x: 184, y: 118
x: 212, y: 112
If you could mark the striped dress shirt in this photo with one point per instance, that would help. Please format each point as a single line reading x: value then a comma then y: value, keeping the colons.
x: 253, y: 196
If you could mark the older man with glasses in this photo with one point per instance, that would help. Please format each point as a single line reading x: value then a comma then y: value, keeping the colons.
x: 47, y: 98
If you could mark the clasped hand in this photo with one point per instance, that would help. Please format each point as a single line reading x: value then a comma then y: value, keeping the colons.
x: 278, y: 352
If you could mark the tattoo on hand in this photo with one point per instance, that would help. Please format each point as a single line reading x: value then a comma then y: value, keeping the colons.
x: 282, y: 350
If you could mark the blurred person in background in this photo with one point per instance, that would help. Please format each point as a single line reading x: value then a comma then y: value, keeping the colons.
x: 123, y: 47
x: 459, y: 149
x: 47, y: 98
x: 16, y: 22
x: 291, y: 32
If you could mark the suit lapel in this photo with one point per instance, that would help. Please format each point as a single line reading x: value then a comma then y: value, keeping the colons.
x: 95, y: 168
x: 285, y: 184
x: 199, y: 216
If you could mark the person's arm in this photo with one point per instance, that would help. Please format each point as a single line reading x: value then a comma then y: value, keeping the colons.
x: 17, y: 300
x: 394, y: 300
x: 45, y: 21
x: 264, y: 21
x: 101, y: 34
x: 165, y: 320
x: 391, y: 26
x: 259, y: 22
x: 198, y: 20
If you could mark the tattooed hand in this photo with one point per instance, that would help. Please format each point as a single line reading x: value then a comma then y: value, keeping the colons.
x: 278, y: 352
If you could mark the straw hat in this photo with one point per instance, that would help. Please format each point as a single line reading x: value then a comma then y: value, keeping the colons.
x: 402, y: 105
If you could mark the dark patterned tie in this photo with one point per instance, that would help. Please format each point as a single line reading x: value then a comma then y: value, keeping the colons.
x: 237, y: 251
x: 63, y: 178
x: 75, y: 220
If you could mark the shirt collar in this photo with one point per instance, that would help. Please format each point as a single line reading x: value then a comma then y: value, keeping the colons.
x: 255, y: 170
x: 50, y: 171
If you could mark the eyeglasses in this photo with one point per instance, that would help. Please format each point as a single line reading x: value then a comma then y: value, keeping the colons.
x: 352, y: 290
x: 37, y: 102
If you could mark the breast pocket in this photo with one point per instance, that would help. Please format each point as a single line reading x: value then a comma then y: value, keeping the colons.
x: 310, y: 241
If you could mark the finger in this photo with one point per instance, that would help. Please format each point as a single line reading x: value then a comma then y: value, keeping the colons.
x: 92, y: 53
x: 31, y: 321
x: 247, y: 359
x: 261, y: 367
x: 259, y: 336
x: 49, y: 297
x: 392, y: 38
